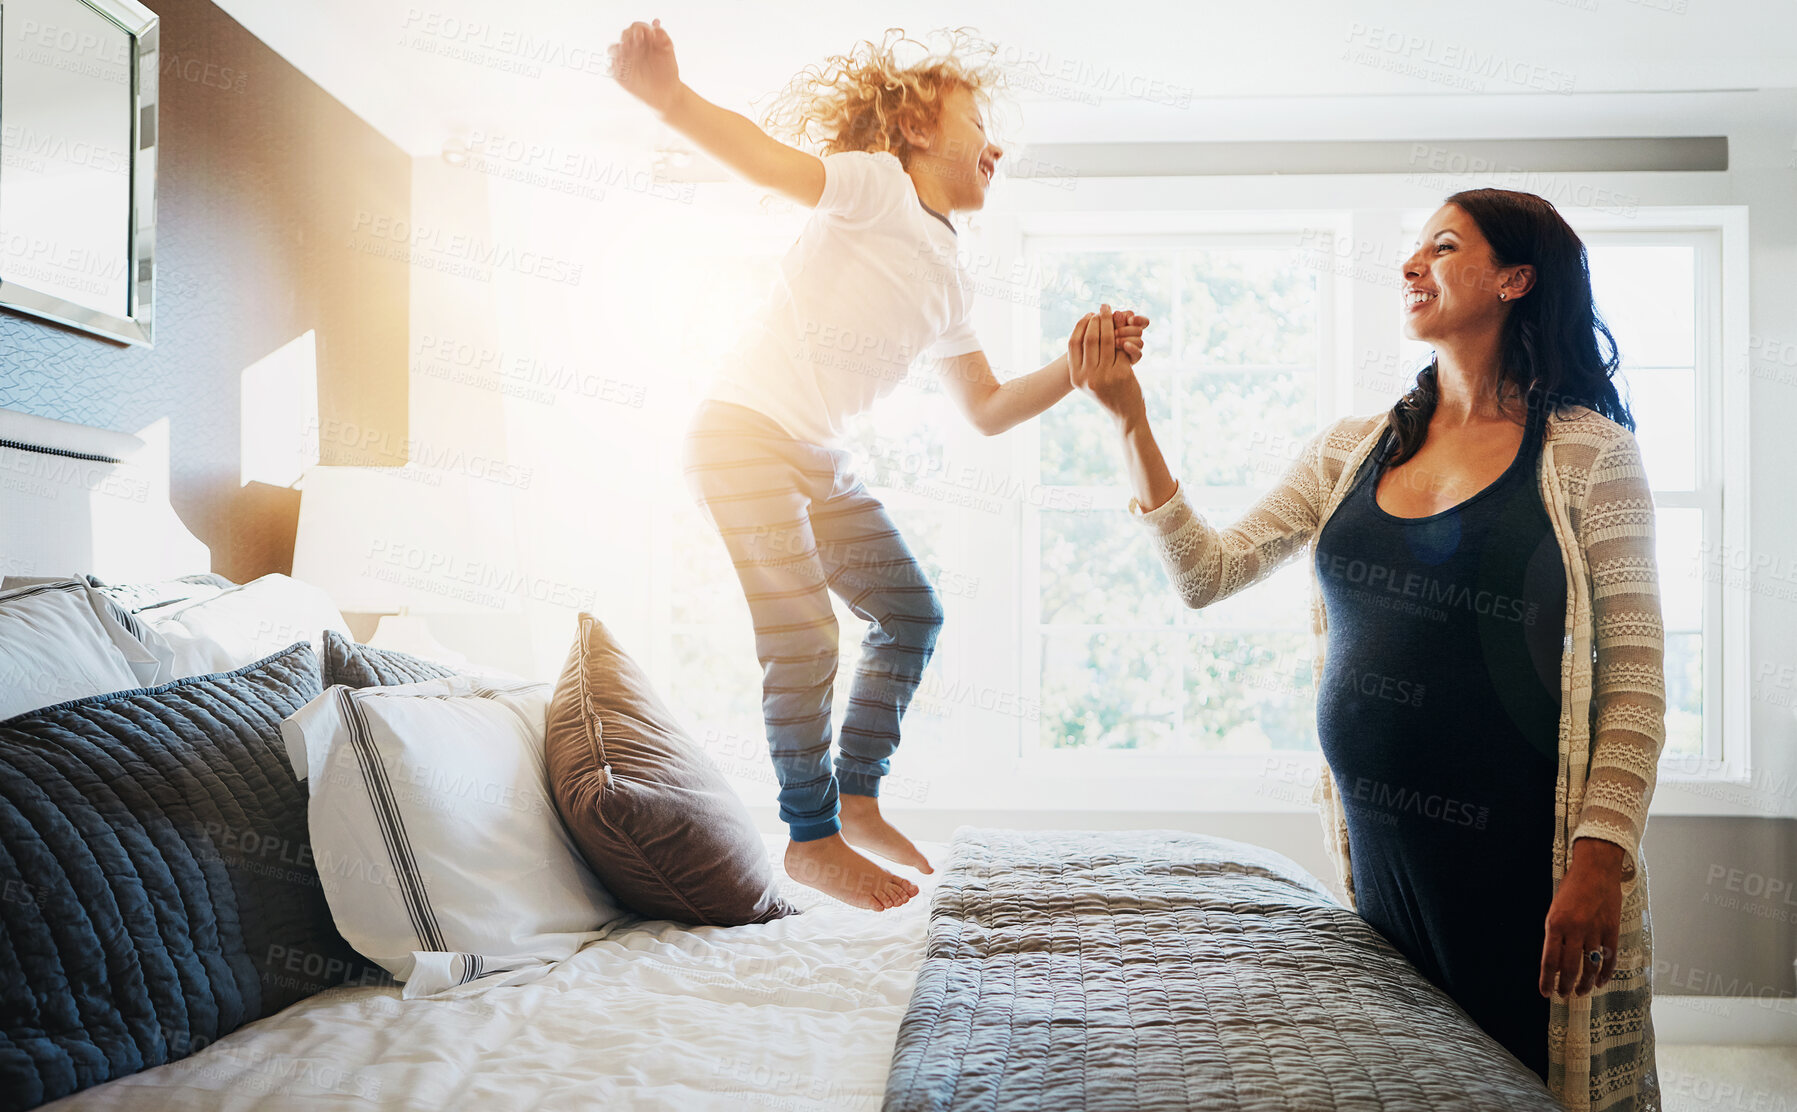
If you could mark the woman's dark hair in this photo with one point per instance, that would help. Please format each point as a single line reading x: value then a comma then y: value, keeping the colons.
x: 1549, y: 348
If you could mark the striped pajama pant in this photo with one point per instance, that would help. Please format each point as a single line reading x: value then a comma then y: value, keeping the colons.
x: 799, y: 524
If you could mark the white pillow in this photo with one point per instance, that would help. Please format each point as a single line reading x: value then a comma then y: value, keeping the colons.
x: 241, y: 625
x: 56, y: 644
x: 146, y: 652
x: 435, y: 834
x: 154, y: 595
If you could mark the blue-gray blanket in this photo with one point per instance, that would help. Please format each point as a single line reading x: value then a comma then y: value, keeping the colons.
x: 1144, y: 971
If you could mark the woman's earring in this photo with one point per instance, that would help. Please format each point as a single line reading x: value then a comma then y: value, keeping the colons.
x: 1502, y: 295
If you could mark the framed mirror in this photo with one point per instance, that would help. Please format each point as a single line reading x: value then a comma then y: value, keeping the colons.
x: 78, y: 163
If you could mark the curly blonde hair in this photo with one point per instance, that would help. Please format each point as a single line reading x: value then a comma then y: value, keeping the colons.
x: 858, y: 100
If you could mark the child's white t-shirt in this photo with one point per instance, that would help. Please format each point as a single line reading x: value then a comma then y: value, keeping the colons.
x: 873, y: 281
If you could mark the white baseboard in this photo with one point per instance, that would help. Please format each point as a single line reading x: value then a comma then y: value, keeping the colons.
x: 1724, y: 1020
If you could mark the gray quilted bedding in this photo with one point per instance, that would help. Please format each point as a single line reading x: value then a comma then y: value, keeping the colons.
x: 1157, y: 970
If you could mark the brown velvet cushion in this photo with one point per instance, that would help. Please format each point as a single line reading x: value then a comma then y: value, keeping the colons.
x: 658, y: 824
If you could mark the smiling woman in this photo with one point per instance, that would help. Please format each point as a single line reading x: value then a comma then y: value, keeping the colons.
x: 1496, y: 518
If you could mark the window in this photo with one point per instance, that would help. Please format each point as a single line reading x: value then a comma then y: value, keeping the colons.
x: 1234, y: 385
x: 1064, y: 645
x: 1656, y: 293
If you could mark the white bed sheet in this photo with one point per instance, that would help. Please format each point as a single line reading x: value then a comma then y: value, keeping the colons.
x: 796, y: 1015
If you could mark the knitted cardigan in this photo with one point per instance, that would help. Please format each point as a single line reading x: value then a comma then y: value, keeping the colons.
x: 1612, y: 690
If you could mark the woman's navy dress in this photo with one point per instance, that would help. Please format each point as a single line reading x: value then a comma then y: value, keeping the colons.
x: 1439, y: 716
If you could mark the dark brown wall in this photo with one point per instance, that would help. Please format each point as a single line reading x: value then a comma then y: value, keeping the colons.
x: 262, y: 176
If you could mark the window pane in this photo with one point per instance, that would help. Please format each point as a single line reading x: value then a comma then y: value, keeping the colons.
x: 1684, y: 695
x: 1250, y: 692
x: 1247, y: 306
x: 1079, y: 443
x: 1075, y: 283
x: 704, y: 586
x: 1244, y: 428
x: 1110, y: 690
x: 1098, y: 568
x: 903, y: 443
x: 1664, y: 404
x: 1647, y: 295
x: 715, y: 687
x: 1281, y: 600
x: 1678, y: 535
x: 732, y: 287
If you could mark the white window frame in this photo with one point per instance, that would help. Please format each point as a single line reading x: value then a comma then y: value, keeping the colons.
x: 1720, y: 236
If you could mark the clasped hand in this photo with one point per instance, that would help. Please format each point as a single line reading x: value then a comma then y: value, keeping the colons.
x: 1102, y: 353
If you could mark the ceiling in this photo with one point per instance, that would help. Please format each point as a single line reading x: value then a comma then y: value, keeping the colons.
x: 1157, y: 70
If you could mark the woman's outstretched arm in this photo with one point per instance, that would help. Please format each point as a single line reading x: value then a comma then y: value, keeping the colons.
x: 1112, y: 382
x: 1206, y: 564
x: 1149, y: 477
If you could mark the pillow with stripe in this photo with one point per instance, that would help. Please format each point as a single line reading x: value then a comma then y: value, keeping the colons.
x: 127, y: 610
x: 448, y: 863
x: 147, y: 597
x: 59, y: 641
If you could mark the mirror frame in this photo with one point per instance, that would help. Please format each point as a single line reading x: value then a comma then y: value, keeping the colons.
x: 143, y: 26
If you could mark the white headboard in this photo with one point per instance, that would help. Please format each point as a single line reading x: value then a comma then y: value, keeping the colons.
x: 77, y: 499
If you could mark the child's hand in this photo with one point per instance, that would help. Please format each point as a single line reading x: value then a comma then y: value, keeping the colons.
x: 642, y: 60
x: 1101, y: 365
x: 1129, y: 328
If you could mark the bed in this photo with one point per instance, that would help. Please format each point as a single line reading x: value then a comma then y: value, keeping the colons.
x: 1050, y: 970
x: 1138, y: 970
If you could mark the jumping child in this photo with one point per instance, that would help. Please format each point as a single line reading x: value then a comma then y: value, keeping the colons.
x: 872, y: 282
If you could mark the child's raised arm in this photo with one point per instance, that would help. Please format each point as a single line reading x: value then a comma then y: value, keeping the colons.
x: 993, y: 407
x: 642, y: 60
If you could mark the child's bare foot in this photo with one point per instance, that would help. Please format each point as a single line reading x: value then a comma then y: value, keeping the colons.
x: 864, y: 826
x: 831, y: 867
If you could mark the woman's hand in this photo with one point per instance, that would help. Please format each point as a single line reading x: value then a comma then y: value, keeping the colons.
x: 1586, y: 915
x: 1101, y: 363
x: 642, y: 60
